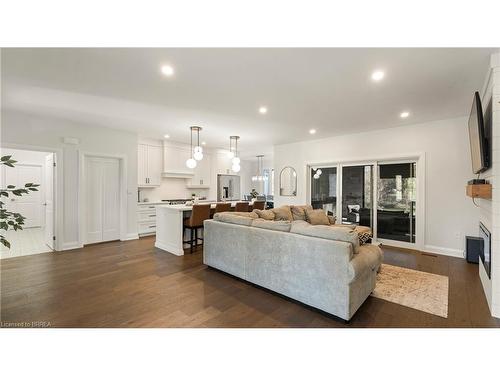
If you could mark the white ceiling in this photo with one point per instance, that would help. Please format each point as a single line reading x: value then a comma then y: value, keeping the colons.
x: 221, y: 89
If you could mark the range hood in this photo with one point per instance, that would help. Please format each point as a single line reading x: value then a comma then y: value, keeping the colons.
x: 174, y: 161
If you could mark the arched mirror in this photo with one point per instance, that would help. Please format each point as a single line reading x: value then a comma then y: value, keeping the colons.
x: 288, y: 182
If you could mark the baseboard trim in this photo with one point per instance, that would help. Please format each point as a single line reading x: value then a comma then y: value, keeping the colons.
x: 457, y: 253
x: 71, y: 245
x: 131, y: 236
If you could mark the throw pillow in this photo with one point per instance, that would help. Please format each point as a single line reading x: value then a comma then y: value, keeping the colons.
x: 364, y: 237
x: 282, y: 213
x: 332, y: 219
x: 317, y: 217
x: 265, y: 214
x: 299, y: 212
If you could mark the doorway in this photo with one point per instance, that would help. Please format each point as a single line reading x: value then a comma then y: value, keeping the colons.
x: 381, y: 194
x: 38, y: 207
x: 103, y: 195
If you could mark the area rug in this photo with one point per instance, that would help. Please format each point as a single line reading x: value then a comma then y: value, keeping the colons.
x: 416, y: 289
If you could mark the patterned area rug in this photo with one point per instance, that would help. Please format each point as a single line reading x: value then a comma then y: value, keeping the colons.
x: 416, y: 289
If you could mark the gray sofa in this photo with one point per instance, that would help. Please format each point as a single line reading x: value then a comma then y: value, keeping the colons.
x: 321, y: 267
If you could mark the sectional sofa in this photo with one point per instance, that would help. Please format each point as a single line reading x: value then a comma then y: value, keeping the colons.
x: 323, y: 266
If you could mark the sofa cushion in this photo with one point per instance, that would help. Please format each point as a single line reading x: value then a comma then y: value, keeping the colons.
x: 265, y: 214
x: 235, y: 218
x: 317, y: 217
x: 368, y: 259
x: 328, y: 232
x: 349, y: 226
x: 283, y: 226
x: 282, y: 213
x: 299, y: 212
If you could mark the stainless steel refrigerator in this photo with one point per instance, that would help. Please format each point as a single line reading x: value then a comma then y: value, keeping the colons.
x: 228, y: 187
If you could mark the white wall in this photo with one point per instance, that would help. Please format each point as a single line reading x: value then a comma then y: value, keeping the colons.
x: 490, y: 209
x: 450, y: 215
x: 26, y: 129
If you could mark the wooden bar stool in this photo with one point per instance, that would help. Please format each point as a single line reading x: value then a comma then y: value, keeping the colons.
x: 199, y: 214
x: 241, y: 207
x: 222, y: 207
x: 259, y: 205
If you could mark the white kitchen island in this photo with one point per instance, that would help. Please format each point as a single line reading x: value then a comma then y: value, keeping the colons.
x: 169, y: 226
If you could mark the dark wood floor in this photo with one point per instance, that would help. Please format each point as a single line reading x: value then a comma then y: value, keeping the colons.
x: 132, y: 284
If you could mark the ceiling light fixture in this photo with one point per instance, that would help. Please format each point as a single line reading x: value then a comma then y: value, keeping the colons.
x: 260, y: 173
x: 378, y: 75
x: 233, y: 153
x: 167, y: 70
x: 197, y: 151
x: 166, y: 136
x: 312, y: 131
x: 317, y: 173
x: 404, y: 114
x: 263, y: 110
x: 203, y: 143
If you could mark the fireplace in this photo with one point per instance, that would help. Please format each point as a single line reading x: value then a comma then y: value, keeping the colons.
x: 485, y: 253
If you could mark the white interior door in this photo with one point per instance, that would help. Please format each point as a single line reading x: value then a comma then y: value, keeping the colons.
x: 30, y: 205
x: 102, y: 200
x: 49, y: 200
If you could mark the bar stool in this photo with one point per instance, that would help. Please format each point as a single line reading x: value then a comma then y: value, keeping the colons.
x: 222, y: 207
x: 241, y: 207
x: 200, y: 213
x: 259, y: 205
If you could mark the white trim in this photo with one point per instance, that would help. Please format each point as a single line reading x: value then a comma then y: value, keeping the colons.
x: 131, y: 236
x: 71, y: 245
x: 444, y: 251
x: 58, y: 186
x: 81, y: 193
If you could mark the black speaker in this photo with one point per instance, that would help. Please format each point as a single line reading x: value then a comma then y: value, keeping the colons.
x: 473, y: 248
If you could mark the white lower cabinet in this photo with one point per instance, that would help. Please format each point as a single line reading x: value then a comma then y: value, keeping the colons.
x: 146, y: 219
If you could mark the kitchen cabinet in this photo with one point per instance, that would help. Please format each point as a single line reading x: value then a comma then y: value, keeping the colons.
x: 202, y: 174
x: 149, y: 161
x: 146, y: 219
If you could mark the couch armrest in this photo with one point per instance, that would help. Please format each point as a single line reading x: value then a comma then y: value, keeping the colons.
x: 368, y: 259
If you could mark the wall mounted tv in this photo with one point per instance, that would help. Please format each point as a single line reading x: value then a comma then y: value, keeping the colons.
x: 479, y: 137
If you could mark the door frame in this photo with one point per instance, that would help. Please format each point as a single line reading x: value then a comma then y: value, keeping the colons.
x: 58, y: 188
x: 418, y: 157
x: 82, y: 191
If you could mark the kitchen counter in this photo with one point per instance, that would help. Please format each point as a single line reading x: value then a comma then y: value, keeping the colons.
x: 170, y: 226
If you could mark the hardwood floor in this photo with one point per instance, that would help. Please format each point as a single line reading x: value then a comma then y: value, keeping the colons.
x: 132, y: 284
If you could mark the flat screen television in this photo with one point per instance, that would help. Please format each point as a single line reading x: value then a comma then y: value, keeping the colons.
x: 478, y: 137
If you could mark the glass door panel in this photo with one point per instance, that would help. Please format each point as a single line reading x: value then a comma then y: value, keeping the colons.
x: 357, y: 194
x: 396, y: 202
x: 324, y: 189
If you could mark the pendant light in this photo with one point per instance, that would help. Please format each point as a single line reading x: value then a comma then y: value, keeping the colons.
x: 260, y: 175
x: 197, y: 151
x: 233, y: 153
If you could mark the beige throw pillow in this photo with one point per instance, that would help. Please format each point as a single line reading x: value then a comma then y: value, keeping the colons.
x: 317, y: 217
x: 265, y: 214
x: 282, y: 213
x: 299, y: 212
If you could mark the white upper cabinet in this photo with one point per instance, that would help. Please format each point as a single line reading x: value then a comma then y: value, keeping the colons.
x: 149, y: 161
x: 202, y: 174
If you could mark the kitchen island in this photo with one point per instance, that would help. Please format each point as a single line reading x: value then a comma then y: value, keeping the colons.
x: 170, y: 226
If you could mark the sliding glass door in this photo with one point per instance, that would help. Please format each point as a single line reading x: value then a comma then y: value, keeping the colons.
x: 396, y: 201
x: 357, y: 195
x: 381, y: 195
x: 324, y: 189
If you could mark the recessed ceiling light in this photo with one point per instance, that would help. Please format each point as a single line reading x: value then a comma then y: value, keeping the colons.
x: 312, y: 131
x: 263, y: 110
x: 378, y: 75
x: 203, y: 143
x: 167, y: 70
x: 404, y: 114
x: 166, y: 136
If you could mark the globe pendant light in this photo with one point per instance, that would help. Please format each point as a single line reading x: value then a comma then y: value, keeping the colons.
x: 197, y: 152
